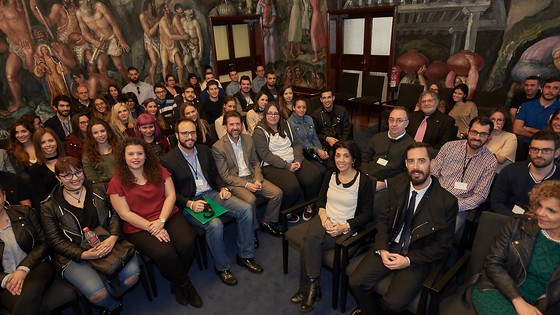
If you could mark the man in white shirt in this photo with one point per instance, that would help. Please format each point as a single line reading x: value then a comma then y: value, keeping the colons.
x: 142, y: 89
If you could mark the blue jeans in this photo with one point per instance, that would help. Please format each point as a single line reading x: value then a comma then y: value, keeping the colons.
x: 239, y: 210
x: 87, y: 280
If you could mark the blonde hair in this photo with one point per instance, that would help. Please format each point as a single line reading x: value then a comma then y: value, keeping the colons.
x: 115, y: 121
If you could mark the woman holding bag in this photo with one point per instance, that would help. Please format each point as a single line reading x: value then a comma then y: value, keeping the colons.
x: 72, y: 206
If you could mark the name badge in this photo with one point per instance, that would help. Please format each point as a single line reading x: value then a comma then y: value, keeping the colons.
x: 461, y: 185
x: 517, y: 210
x: 198, y: 183
x: 382, y: 161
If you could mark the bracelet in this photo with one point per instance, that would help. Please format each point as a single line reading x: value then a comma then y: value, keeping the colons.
x: 191, y: 204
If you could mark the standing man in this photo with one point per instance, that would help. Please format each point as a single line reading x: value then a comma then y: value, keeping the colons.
x: 233, y: 86
x: 331, y: 120
x: 245, y: 96
x: 142, y: 89
x: 466, y: 168
x: 60, y: 122
x: 240, y: 167
x: 270, y: 87
x: 259, y: 81
x: 415, y: 201
x: 531, y: 91
x: 84, y: 103
x: 195, y: 176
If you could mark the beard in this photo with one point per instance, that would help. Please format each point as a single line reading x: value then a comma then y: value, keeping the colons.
x: 135, y: 80
x: 187, y: 144
x: 417, y: 180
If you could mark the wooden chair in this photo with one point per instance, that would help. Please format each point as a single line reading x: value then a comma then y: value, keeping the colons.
x: 349, y: 88
x: 372, y: 93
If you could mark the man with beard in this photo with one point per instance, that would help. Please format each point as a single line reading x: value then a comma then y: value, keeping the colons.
x: 245, y: 95
x: 60, y: 122
x: 270, y: 87
x: 466, y: 168
x: 212, y: 107
x: 188, y: 95
x: 142, y: 89
x: 415, y: 201
x: 510, y: 194
x: 531, y: 91
x: 533, y: 116
x: 195, y: 176
x: 331, y: 121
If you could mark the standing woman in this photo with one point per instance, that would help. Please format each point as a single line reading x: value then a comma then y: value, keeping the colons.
x: 122, y: 121
x: 461, y: 110
x: 143, y: 195
x: 101, y: 109
x: 74, y: 204
x: 503, y: 143
x: 255, y: 115
x: 345, y: 203
x: 147, y: 129
x: 25, y: 272
x: 113, y: 95
x: 98, y: 159
x: 75, y: 140
x: 286, y: 101
x: 20, y: 146
x: 203, y: 135
x: 172, y: 89
x: 131, y: 102
x: 48, y: 149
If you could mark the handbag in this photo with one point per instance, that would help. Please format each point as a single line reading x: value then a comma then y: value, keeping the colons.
x: 113, y: 262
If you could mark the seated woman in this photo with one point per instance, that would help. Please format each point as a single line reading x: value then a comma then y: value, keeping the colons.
x: 345, y: 203
x: 255, y: 115
x: 143, y: 195
x: 20, y: 146
x: 131, y: 102
x: 280, y: 150
x: 75, y: 140
x: 230, y: 104
x: 554, y: 122
x: 461, y: 110
x: 48, y: 149
x: 285, y: 101
x: 101, y: 109
x: 73, y: 205
x: 503, y: 143
x: 26, y: 274
x: 147, y: 129
x: 153, y: 109
x: 521, y: 274
x: 172, y: 87
x: 113, y: 94
x: 98, y: 158
x: 202, y: 127
x: 122, y: 121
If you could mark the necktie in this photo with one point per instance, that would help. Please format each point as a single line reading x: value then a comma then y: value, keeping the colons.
x: 407, y: 228
x: 421, y: 130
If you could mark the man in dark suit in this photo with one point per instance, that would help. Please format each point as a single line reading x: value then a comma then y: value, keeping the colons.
x: 414, y: 231
x: 239, y: 166
x: 429, y: 125
x: 195, y: 176
x: 60, y: 122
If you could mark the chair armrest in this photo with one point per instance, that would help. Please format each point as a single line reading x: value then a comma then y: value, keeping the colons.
x: 389, y: 103
x: 299, y: 207
x: 359, y: 237
x: 425, y: 293
x: 440, y: 283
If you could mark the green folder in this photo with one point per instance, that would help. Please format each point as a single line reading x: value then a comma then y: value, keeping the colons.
x: 218, y: 211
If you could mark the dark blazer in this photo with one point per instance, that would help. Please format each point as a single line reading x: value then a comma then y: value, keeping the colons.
x: 182, y: 176
x: 226, y: 162
x: 440, y: 129
x: 433, y: 225
x: 55, y: 124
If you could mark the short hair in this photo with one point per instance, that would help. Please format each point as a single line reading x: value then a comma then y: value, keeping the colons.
x: 352, y: 149
x: 245, y: 78
x: 507, y: 118
x: 66, y: 164
x: 192, y: 75
x: 131, y: 69
x: 269, y: 72
x: 428, y: 147
x: 232, y: 70
x: 550, y: 80
x: 547, y: 136
x: 57, y: 99
x: 208, y: 67
x: 532, y: 77
x: 543, y: 191
x: 212, y: 82
x: 159, y: 85
x: 182, y: 120
x: 176, y: 7
x: 229, y: 114
x: 483, y: 121
x: 326, y: 89
x: 146, y: 119
x: 430, y: 93
x: 400, y: 108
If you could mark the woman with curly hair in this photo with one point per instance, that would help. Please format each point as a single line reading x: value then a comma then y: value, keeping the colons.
x: 147, y: 129
x: 122, y: 121
x: 143, y: 194
x: 101, y: 109
x: 75, y: 140
x: 113, y: 95
x: 49, y: 149
x: 21, y: 151
x: 98, y: 158
x: 188, y: 110
x: 285, y: 101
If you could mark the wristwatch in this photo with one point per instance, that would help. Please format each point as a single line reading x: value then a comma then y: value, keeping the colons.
x: 226, y: 189
x: 162, y: 220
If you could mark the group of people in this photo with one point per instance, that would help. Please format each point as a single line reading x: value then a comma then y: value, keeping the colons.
x: 144, y: 163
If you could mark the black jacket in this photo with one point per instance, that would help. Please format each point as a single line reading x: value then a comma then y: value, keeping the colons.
x: 340, y: 124
x: 507, y: 261
x: 29, y: 236
x: 440, y: 128
x: 64, y: 232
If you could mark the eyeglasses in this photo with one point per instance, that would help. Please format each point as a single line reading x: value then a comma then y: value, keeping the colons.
x: 187, y: 133
x: 69, y: 176
x: 427, y: 101
x: 497, y: 119
x: 273, y: 114
x: 475, y: 133
x: 398, y: 120
x: 545, y: 151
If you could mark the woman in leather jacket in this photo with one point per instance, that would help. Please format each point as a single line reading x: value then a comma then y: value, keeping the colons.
x: 521, y: 274
x: 72, y: 206
x: 25, y: 273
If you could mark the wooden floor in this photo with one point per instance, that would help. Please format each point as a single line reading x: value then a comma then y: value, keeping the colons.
x: 359, y: 118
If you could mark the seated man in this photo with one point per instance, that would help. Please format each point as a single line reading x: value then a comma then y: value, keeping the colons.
x: 17, y: 192
x: 429, y: 125
x: 332, y: 121
x: 60, y: 121
x: 167, y: 107
x: 245, y: 96
x: 510, y: 192
x: 270, y: 87
x: 385, y: 154
x: 230, y: 104
x: 533, y: 116
x: 194, y: 174
x: 531, y: 91
x: 415, y: 201
x: 240, y: 167
x: 212, y: 106
x: 205, y: 94
x: 466, y: 168
x: 233, y: 86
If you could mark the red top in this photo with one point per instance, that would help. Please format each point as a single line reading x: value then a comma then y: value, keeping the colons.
x: 144, y: 200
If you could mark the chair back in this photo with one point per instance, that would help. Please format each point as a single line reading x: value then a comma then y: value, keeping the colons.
x: 485, y: 101
x: 489, y: 227
x: 445, y: 94
x: 373, y: 86
x: 350, y: 83
x: 408, y: 95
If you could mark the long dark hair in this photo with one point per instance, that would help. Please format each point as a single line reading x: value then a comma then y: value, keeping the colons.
x: 132, y: 96
x: 90, y: 145
x: 352, y: 149
x: 464, y: 88
x: 282, y: 124
x: 16, y: 148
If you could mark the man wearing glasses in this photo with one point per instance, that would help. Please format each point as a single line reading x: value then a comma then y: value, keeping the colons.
x: 167, y: 107
x: 466, y: 168
x: 510, y: 192
x: 259, y: 81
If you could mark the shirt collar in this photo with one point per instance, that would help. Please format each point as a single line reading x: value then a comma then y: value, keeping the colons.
x: 397, y: 137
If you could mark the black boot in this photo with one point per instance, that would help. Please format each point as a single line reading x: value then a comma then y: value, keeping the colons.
x: 298, y: 297
x: 180, y: 294
x: 192, y: 295
x: 116, y: 311
x: 313, y: 293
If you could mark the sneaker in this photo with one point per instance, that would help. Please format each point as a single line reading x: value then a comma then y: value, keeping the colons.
x: 293, y: 218
x: 308, y: 213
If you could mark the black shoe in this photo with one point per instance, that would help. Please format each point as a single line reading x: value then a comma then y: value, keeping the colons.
x: 312, y: 294
x: 256, y: 239
x: 193, y: 296
x: 116, y: 311
x: 180, y: 294
x: 227, y: 277
x: 270, y: 228
x: 298, y: 297
x: 356, y: 311
x: 250, y: 264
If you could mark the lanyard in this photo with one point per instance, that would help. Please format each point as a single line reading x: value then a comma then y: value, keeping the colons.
x: 466, y: 165
x: 194, y: 168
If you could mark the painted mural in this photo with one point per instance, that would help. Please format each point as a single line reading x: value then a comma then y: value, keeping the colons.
x: 48, y: 47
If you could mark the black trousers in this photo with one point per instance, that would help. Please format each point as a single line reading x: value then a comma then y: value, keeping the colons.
x: 173, y: 258
x: 315, y: 242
